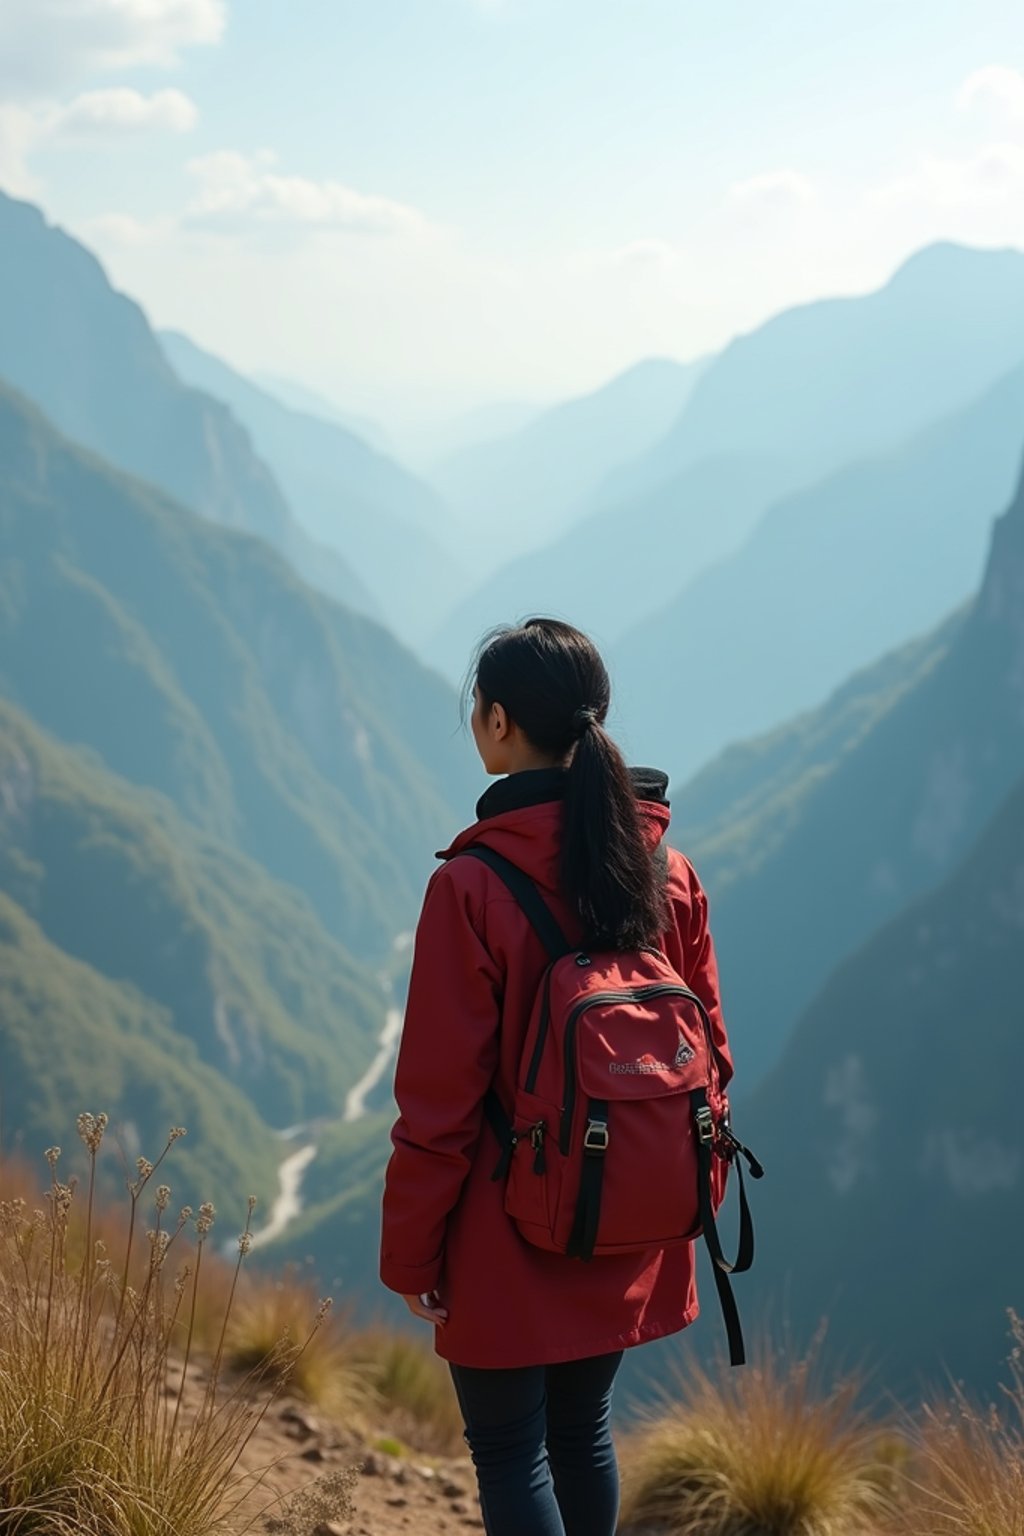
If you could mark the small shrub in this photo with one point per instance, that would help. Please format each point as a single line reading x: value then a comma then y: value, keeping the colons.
x: 758, y: 1452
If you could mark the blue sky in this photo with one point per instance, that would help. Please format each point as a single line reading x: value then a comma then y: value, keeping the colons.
x: 418, y: 205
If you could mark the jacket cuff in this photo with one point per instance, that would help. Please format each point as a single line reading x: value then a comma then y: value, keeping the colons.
x: 409, y: 1279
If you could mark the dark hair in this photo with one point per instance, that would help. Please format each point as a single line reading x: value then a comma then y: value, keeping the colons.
x: 550, y: 679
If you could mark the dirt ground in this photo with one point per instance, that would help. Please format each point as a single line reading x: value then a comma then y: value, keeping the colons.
x: 297, y: 1448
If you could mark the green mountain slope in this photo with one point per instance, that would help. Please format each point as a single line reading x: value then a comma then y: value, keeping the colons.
x: 831, y: 577
x: 75, y: 1040
x: 738, y: 809
x: 234, y: 963
x: 193, y: 662
x: 391, y: 528
x: 86, y: 355
x: 891, y: 1129
x: 896, y: 812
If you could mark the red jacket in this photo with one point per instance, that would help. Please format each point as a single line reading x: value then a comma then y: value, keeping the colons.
x: 475, y: 971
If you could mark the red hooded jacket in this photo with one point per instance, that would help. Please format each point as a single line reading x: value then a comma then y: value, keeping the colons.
x: 476, y: 968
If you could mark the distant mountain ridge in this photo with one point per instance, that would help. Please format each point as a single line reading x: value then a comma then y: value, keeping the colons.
x: 831, y: 577
x: 87, y: 357
x: 617, y: 568
x: 194, y: 662
x: 521, y: 489
x: 825, y: 383
x: 813, y: 394
x: 882, y: 826
x: 390, y: 527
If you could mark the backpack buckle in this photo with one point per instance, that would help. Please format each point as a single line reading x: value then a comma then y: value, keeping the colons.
x: 596, y: 1139
x: 705, y: 1124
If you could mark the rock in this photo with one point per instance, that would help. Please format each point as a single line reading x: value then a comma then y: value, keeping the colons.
x: 330, y: 1528
x: 300, y: 1423
x: 314, y: 1453
x: 427, y: 1473
x: 460, y: 1507
x: 397, y: 1500
x: 453, y: 1490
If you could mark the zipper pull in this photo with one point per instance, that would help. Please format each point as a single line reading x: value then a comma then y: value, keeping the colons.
x: 537, y: 1131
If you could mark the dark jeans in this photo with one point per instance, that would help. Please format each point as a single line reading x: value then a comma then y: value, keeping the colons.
x: 542, y: 1446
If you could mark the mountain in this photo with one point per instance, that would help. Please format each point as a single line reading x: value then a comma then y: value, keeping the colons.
x: 622, y: 564
x: 519, y: 490
x: 75, y: 1040
x: 233, y: 962
x: 743, y: 804
x: 391, y: 528
x: 780, y: 410
x: 891, y: 1126
x: 86, y: 355
x: 194, y: 662
x: 825, y: 383
x: 831, y: 577
x: 866, y: 835
x: 312, y: 403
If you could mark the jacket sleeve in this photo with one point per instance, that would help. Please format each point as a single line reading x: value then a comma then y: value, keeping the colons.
x: 446, y: 1062
x: 700, y: 966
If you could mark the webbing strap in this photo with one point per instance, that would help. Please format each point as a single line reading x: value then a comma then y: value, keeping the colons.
x: 541, y: 918
x: 588, y: 1203
x: 745, y: 1254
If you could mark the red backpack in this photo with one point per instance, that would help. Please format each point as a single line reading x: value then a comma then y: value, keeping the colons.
x: 619, y: 1138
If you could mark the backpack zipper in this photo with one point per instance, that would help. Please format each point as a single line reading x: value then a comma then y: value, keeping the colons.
x: 633, y: 995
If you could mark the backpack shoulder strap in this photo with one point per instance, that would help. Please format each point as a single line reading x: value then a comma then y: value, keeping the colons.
x: 541, y: 918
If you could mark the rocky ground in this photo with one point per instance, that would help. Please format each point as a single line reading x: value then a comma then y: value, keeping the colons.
x: 320, y: 1478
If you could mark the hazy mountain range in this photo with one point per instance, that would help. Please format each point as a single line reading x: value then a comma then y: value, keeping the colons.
x: 391, y: 528
x: 522, y: 487
x: 220, y: 788
x: 87, y: 356
x: 693, y: 555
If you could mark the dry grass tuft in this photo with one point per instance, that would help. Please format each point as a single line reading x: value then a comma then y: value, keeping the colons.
x: 327, y: 1373
x: 413, y: 1389
x: 968, y: 1476
x: 96, y: 1338
x: 759, y: 1452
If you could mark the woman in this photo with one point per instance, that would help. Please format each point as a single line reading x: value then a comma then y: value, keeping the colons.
x: 533, y: 1338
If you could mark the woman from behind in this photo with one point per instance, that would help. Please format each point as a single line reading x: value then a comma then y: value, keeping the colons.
x: 533, y: 1338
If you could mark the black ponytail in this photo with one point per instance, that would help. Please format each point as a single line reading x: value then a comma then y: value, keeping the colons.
x: 553, y: 684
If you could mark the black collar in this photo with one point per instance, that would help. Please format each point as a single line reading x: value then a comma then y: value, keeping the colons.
x: 534, y: 786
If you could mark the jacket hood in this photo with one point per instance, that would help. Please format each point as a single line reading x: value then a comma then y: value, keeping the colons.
x: 521, y: 817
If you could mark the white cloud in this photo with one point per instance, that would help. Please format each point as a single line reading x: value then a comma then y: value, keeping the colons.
x: 18, y: 133
x: 45, y: 44
x: 237, y: 192
x: 122, y: 111
x: 771, y: 190
x: 640, y: 256
x: 991, y: 178
x: 996, y: 87
x: 126, y: 231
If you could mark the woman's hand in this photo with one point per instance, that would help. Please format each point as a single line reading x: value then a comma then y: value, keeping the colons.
x: 428, y: 1306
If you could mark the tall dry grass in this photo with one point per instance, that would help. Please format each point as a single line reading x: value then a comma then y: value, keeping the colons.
x: 96, y: 1341
x: 967, y: 1478
x: 766, y: 1451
